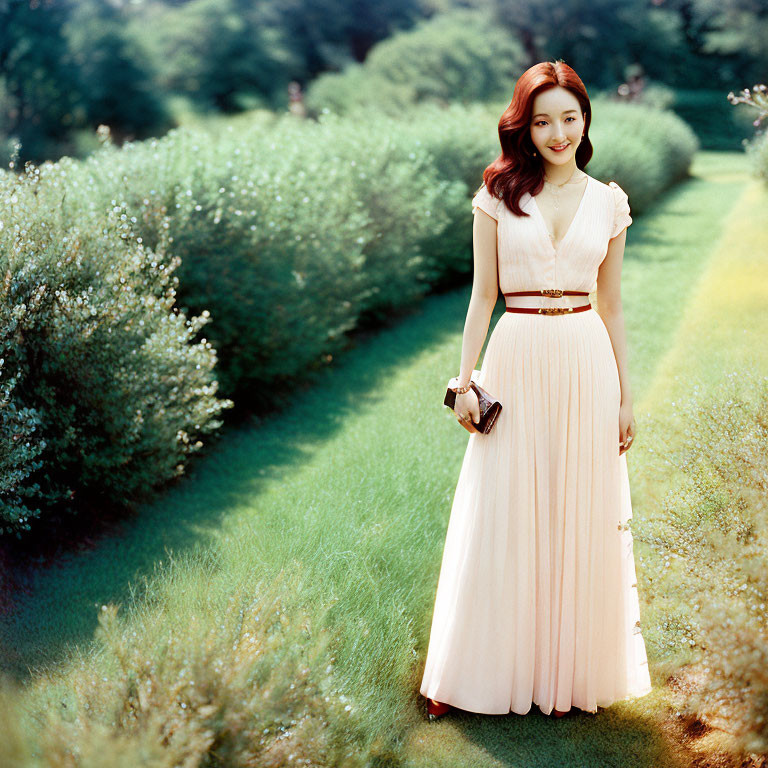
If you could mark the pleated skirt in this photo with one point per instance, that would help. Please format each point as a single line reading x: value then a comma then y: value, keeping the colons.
x: 537, y: 599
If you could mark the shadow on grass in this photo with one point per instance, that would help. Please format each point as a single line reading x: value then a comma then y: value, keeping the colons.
x: 52, y: 605
x: 609, y: 739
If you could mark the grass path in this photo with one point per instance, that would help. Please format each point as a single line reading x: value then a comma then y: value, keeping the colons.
x: 355, y: 483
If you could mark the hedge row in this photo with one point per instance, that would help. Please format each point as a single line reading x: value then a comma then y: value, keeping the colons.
x: 105, y: 393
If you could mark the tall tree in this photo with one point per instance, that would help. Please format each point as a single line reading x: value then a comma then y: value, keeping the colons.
x: 217, y: 51
x: 39, y: 77
x: 116, y: 86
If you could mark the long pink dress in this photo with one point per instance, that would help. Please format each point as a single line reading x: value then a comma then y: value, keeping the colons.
x: 537, y: 598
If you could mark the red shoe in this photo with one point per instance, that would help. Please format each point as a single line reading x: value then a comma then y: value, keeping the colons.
x: 558, y: 713
x: 436, y: 709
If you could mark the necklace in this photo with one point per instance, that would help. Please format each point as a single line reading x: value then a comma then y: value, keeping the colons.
x: 557, y: 187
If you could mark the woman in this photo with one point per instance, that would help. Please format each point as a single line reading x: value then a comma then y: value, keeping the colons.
x: 537, y: 599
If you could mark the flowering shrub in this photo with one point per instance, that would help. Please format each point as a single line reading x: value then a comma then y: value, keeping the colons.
x: 711, y: 573
x: 757, y: 147
x: 250, y: 682
x: 104, y: 394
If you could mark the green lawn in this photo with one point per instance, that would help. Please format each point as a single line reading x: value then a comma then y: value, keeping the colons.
x: 351, y: 488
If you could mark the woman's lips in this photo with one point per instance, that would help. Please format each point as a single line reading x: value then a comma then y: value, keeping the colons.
x: 560, y: 149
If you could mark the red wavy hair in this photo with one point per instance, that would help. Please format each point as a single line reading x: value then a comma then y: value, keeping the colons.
x: 516, y: 171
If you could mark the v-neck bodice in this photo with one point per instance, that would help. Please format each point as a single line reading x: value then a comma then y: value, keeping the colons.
x: 527, y: 257
x: 543, y: 221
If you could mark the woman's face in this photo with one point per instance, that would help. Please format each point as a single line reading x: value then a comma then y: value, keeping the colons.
x: 556, y: 120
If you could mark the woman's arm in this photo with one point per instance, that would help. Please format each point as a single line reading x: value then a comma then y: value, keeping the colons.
x: 485, y: 292
x: 610, y: 309
x: 612, y: 315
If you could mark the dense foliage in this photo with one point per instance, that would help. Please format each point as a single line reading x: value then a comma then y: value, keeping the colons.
x: 106, y: 394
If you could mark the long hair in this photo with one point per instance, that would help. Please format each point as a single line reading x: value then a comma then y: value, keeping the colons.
x: 516, y: 170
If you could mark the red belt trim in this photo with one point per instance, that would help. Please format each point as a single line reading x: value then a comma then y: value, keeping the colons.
x: 549, y: 310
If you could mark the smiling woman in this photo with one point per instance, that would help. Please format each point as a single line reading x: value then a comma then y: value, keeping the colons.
x: 536, y: 600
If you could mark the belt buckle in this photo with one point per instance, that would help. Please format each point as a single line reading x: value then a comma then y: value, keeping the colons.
x: 554, y: 292
x: 554, y: 310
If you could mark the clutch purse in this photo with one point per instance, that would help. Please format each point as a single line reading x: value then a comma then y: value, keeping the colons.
x: 490, y: 407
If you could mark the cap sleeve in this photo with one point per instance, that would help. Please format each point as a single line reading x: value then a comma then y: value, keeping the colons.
x: 486, y: 202
x: 621, y: 217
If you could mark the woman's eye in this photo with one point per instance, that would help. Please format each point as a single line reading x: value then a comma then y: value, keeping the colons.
x: 539, y: 122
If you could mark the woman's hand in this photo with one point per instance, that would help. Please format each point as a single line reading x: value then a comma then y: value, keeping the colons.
x: 467, y: 405
x: 626, y: 427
